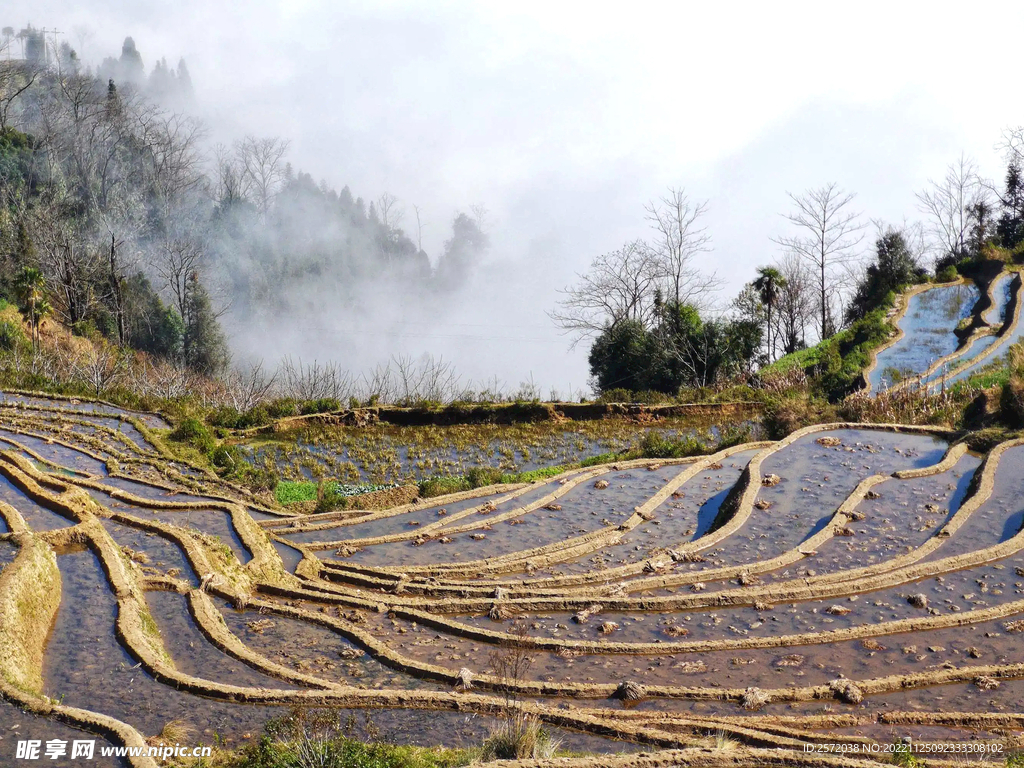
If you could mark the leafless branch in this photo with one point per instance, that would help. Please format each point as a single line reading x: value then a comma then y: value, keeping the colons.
x: 828, y: 234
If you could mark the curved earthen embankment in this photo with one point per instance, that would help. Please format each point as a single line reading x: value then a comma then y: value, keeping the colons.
x: 264, y: 587
x: 1005, y: 333
x: 980, y: 329
x: 508, y: 413
x: 734, y: 514
x: 30, y: 591
x: 903, y: 304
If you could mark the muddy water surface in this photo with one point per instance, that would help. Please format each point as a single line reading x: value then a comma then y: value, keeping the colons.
x: 17, y: 725
x: 87, y: 666
x: 927, y: 326
x: 815, y: 480
x: 38, y: 517
x: 160, y: 556
x: 58, y: 454
x: 584, y: 509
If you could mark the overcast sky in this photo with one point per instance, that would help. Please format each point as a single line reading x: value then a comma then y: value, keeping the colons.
x: 563, y: 119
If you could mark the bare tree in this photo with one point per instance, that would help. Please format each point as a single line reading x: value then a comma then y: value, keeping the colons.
x: 314, y: 381
x: 391, y: 216
x: 71, y: 267
x: 83, y: 34
x: 618, y: 286
x: 680, y: 237
x: 379, y: 384
x: 248, y: 387
x: 828, y: 235
x: 176, y: 260
x: 100, y: 366
x: 16, y: 78
x: 228, y: 176
x: 162, y: 379
x: 419, y: 229
x: 795, y: 306
x: 123, y: 221
x: 261, y: 161
x: 428, y: 378
x: 172, y: 142
x: 949, y: 205
x: 1013, y: 143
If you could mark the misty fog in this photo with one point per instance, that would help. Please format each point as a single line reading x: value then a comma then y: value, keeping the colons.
x: 552, y: 127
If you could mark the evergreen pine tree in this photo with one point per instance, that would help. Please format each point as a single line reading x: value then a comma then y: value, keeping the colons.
x: 206, y: 349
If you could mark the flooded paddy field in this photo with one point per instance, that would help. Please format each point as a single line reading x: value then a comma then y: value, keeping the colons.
x: 928, y: 333
x: 382, y: 453
x: 776, y: 593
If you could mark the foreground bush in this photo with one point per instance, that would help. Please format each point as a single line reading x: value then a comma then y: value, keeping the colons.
x: 313, y: 751
x: 319, y: 739
x: 11, y: 336
x: 194, y: 433
x: 520, y: 738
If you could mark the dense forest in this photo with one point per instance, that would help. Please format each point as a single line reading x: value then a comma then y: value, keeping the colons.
x: 119, y: 220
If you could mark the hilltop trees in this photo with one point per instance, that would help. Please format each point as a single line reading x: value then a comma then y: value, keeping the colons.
x: 768, y: 285
x: 679, y: 238
x: 642, y: 305
x: 1010, y: 227
x: 461, y: 252
x: 954, y: 207
x: 680, y: 349
x: 894, y: 268
x: 828, y: 233
x: 795, y: 303
x: 619, y: 286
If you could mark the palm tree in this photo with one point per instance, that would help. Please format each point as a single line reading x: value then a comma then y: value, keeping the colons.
x: 768, y: 283
x: 29, y: 287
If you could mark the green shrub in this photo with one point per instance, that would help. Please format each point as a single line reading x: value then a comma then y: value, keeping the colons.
x: 646, y: 397
x: 477, y: 477
x: 655, y: 445
x: 11, y: 335
x: 282, y: 407
x: 228, y: 457
x: 534, y: 475
x: 440, y: 485
x: 323, y: 405
x: 328, y: 498
x: 947, y: 274
x: 602, y: 458
x: 85, y: 328
x: 224, y: 416
x: 194, y: 433
x: 256, y: 479
x: 257, y: 416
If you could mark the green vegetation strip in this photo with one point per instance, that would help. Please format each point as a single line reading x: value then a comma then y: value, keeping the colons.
x: 289, y: 491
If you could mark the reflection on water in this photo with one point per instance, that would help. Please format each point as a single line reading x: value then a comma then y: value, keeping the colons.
x: 928, y: 333
x: 86, y: 666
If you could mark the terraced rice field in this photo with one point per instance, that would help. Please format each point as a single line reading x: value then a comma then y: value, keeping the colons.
x: 929, y: 354
x: 927, y: 333
x: 849, y: 585
x: 386, y: 454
